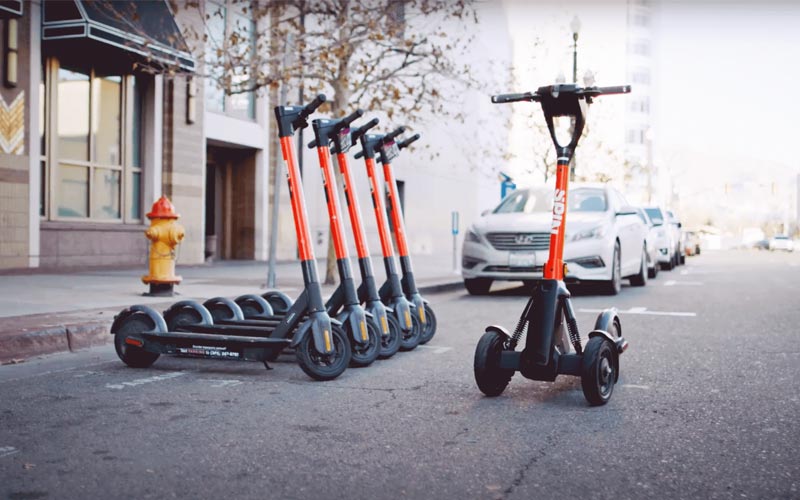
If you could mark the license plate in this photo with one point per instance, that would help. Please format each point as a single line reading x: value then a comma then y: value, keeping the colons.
x: 521, y: 259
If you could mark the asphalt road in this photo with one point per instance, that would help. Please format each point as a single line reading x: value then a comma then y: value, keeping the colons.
x: 706, y: 407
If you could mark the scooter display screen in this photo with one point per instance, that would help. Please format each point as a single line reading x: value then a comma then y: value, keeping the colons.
x: 390, y: 151
x: 344, y: 140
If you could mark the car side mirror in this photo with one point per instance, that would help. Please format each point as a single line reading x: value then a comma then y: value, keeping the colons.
x: 627, y: 211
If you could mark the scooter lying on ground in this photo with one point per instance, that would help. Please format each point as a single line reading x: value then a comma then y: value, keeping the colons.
x: 391, y: 292
x: 549, y: 349
x: 188, y: 328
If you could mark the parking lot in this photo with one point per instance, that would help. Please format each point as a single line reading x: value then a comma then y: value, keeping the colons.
x: 706, y: 407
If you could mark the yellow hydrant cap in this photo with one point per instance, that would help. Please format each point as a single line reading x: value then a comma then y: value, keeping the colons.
x: 163, y: 209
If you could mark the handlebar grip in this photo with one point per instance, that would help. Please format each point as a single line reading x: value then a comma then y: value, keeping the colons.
x: 618, y: 89
x: 504, y: 98
x: 312, y: 144
x: 393, y: 134
x: 359, y: 154
x: 346, y: 121
x: 357, y: 133
x: 404, y: 144
x: 313, y: 105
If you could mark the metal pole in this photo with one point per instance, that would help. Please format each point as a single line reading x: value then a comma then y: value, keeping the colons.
x: 276, y: 181
x: 575, y: 81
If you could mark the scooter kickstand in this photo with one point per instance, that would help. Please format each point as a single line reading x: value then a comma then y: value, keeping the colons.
x: 266, y: 365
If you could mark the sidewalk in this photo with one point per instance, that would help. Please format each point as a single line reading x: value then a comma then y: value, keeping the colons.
x: 44, y: 313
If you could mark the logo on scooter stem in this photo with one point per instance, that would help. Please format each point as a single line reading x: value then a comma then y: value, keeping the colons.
x: 558, y: 211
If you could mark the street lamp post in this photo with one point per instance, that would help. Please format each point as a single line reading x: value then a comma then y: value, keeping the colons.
x: 575, y: 26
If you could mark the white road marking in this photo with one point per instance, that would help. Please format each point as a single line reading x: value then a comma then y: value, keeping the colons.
x: 435, y: 349
x: 689, y: 283
x: 634, y: 386
x: 216, y: 383
x: 643, y: 310
x: 148, y: 380
x: 7, y: 450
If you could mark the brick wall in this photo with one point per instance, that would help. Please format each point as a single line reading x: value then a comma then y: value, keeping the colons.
x: 14, y: 166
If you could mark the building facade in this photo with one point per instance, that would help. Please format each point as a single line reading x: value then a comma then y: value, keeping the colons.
x: 104, y: 110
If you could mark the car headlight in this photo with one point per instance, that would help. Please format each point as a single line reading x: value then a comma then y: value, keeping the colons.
x: 472, y: 236
x: 595, y: 232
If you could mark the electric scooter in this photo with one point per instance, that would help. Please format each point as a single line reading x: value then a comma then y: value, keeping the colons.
x: 550, y: 350
x: 187, y: 328
x: 387, y: 324
x: 391, y: 292
x: 388, y: 150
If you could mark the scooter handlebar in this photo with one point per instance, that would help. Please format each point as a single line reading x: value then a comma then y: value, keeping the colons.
x: 404, y: 144
x: 312, y: 106
x: 618, y: 89
x: 358, y: 132
x: 504, y: 98
x: 347, y: 120
x: 393, y: 134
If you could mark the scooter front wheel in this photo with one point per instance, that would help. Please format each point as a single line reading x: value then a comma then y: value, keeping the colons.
x: 363, y: 354
x: 321, y: 366
x: 410, y: 339
x: 131, y: 355
x: 430, y: 325
x: 390, y: 344
x: 491, y: 379
x: 599, y: 371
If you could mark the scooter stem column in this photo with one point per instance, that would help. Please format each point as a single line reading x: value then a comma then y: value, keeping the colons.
x: 380, y: 211
x: 554, y: 268
x: 337, y: 230
x: 397, y: 214
x: 352, y: 207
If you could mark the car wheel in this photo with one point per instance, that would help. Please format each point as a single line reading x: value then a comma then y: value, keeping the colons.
x: 478, y: 286
x: 614, y: 285
x: 640, y: 279
x: 652, y: 273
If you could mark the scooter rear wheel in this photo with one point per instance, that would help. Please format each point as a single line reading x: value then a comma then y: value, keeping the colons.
x: 364, y: 354
x: 491, y: 379
x: 430, y: 325
x: 321, y: 366
x: 391, y: 343
x: 410, y: 339
x: 131, y: 355
x: 599, y: 371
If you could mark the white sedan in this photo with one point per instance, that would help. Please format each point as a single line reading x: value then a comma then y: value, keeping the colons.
x: 605, y: 240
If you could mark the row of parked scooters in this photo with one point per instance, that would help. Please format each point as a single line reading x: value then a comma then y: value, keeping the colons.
x: 355, y: 326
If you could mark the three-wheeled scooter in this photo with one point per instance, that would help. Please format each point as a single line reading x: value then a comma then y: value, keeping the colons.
x: 187, y: 328
x: 550, y: 350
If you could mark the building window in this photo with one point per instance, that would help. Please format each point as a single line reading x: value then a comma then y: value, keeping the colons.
x: 91, y: 145
x: 635, y: 136
x: 641, y: 48
x: 228, y: 21
x: 641, y: 76
x: 640, y: 105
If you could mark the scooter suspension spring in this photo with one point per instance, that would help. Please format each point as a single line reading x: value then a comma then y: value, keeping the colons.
x: 574, y: 335
x: 522, y: 327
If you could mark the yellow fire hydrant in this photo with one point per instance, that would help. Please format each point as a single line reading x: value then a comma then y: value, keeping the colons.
x: 165, y: 234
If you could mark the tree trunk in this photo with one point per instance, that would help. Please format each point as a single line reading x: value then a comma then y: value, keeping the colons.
x: 339, y: 106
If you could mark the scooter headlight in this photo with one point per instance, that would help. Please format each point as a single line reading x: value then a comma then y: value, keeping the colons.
x: 472, y: 236
x: 593, y: 233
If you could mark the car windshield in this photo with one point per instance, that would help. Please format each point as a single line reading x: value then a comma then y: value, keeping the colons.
x: 531, y: 201
x: 655, y: 215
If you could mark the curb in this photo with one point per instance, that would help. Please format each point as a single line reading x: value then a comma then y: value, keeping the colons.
x: 28, y: 342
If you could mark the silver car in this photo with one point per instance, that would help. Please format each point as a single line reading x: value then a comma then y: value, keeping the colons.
x: 605, y: 240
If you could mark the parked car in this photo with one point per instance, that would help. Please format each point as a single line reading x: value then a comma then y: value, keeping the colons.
x: 651, y: 242
x: 692, y: 243
x: 781, y: 242
x: 605, y: 240
x: 675, y: 225
x: 761, y: 245
x: 666, y: 237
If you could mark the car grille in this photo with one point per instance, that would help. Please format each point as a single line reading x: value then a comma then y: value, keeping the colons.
x: 507, y: 269
x: 519, y: 241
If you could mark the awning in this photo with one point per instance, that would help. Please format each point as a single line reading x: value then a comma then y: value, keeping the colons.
x: 10, y: 8
x: 144, y: 31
